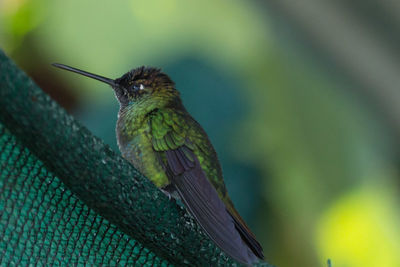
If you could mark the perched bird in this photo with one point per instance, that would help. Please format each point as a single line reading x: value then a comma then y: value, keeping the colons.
x: 160, y: 138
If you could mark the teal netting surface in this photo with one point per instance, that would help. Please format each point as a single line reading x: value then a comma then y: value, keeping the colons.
x: 43, y: 223
x: 68, y: 199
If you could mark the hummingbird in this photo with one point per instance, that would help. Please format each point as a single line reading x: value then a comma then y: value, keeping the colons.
x: 163, y: 141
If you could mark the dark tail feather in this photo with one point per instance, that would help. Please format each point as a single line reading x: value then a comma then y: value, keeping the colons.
x: 246, y: 235
x: 203, y: 202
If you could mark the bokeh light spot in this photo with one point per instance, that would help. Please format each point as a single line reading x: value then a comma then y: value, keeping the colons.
x: 360, y: 229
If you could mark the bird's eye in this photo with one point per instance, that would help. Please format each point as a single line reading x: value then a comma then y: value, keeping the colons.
x: 139, y: 87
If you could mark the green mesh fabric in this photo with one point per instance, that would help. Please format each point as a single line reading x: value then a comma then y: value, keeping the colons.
x: 67, y: 199
x: 43, y: 223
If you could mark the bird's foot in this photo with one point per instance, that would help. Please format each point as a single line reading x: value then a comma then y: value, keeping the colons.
x: 168, y: 194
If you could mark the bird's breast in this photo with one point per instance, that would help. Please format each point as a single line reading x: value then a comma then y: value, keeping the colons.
x: 134, y: 142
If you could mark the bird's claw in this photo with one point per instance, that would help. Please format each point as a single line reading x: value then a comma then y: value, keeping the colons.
x: 168, y: 194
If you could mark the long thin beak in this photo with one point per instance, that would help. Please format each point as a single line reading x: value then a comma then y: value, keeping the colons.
x: 87, y: 74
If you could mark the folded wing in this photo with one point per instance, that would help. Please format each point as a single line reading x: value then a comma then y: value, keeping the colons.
x: 176, y: 153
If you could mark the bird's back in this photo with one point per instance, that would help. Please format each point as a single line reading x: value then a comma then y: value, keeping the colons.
x: 211, y: 166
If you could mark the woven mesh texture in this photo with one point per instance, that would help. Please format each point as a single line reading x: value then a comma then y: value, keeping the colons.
x: 67, y: 199
x: 43, y: 223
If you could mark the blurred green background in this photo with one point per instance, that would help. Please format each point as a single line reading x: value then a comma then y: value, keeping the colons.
x: 301, y: 100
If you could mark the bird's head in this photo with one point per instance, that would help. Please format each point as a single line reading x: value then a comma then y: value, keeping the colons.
x: 145, y: 88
